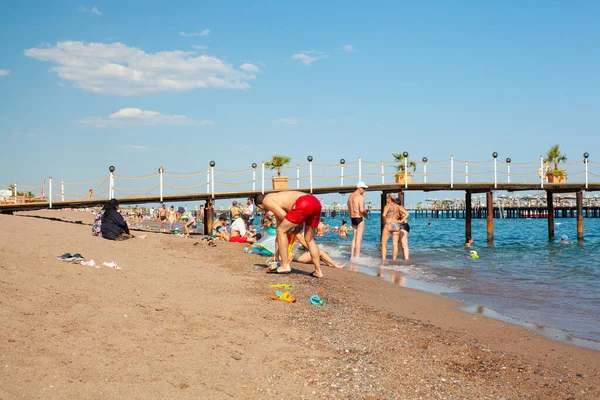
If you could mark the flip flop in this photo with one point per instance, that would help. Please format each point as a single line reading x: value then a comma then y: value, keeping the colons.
x: 275, y: 271
x: 212, y: 244
x: 315, y: 275
x: 64, y: 256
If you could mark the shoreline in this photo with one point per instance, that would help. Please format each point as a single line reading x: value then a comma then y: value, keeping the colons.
x: 547, y: 332
x: 369, y: 336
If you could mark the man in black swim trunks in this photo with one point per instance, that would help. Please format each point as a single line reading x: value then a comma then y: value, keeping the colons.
x: 162, y: 213
x: 356, y: 209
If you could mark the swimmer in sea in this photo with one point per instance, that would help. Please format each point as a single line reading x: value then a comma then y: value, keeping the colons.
x: 321, y: 227
x: 344, y: 230
x: 564, y: 239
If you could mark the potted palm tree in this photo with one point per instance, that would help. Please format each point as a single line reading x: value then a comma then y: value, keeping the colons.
x: 554, y: 156
x: 277, y: 162
x: 403, y: 175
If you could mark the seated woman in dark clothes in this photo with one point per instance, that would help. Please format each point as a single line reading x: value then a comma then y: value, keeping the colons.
x: 114, y: 226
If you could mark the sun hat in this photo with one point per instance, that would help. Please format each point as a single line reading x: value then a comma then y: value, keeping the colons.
x: 181, y: 210
x: 564, y: 237
x: 472, y: 252
x: 361, y: 184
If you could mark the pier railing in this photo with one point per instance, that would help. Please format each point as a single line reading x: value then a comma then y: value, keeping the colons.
x: 308, y: 175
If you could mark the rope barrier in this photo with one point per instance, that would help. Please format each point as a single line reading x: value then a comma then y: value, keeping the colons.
x: 136, y: 178
x: 185, y: 187
x: 81, y: 183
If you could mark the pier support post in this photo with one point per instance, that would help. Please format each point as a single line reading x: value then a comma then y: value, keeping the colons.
x: 208, y: 218
x: 579, y: 199
x: 550, y: 204
x: 468, y: 215
x: 400, y: 198
x: 490, y: 216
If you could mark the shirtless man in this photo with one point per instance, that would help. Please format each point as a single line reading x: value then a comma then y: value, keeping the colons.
x: 356, y: 208
x: 162, y: 214
x: 235, y: 210
x: 293, y: 209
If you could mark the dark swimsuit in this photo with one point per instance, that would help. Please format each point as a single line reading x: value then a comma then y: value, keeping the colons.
x: 356, y: 221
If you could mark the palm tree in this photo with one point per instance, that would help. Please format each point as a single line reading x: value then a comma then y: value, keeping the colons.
x: 278, y: 161
x: 399, y: 158
x: 555, y: 156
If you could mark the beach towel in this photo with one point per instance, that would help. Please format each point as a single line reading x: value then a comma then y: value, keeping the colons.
x: 97, y: 225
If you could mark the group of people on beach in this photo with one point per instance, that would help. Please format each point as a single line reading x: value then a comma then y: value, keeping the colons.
x: 297, y: 211
x: 289, y: 212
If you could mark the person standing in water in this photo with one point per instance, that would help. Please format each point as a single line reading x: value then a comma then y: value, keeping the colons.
x: 356, y: 209
x: 344, y: 230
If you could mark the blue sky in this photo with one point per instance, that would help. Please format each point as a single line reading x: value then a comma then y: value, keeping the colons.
x: 88, y: 85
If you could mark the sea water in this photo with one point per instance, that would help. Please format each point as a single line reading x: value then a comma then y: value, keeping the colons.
x: 521, y: 277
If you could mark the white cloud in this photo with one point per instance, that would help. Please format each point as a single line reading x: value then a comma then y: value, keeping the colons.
x: 204, y: 32
x: 250, y: 67
x: 128, y: 117
x: 4, y: 72
x: 135, y: 147
x: 93, y: 10
x: 286, y: 121
x: 128, y: 71
x: 308, y: 57
x: 349, y: 48
x: 199, y: 47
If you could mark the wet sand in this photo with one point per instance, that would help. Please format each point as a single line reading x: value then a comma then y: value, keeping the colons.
x: 185, y: 321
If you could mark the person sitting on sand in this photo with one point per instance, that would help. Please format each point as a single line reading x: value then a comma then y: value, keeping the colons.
x: 219, y: 228
x: 267, y: 221
x: 114, y: 226
x: 239, y: 233
x: 305, y: 258
x: 292, y: 209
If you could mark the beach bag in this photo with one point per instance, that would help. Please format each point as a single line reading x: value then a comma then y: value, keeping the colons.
x: 97, y: 225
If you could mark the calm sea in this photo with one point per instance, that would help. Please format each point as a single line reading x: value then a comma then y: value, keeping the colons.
x: 522, y: 278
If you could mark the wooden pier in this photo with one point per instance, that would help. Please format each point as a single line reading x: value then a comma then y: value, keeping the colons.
x: 489, y: 211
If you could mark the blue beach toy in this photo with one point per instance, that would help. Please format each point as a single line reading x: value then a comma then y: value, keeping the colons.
x: 316, y: 300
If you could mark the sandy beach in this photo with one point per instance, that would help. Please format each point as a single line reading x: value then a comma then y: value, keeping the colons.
x: 185, y: 321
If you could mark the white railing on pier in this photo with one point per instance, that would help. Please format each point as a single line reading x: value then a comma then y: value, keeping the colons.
x: 308, y: 175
